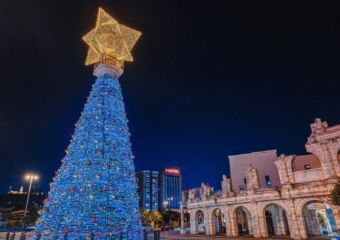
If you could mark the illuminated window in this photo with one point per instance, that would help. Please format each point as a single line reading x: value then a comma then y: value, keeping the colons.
x: 307, y: 167
x: 268, y: 182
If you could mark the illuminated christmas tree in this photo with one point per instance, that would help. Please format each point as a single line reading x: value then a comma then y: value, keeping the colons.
x: 94, y: 193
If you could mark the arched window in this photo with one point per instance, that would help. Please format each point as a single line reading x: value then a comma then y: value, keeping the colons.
x: 243, y: 221
x: 218, y: 221
x: 319, y: 219
x: 199, y: 219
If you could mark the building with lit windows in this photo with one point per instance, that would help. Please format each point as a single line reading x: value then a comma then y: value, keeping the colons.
x: 170, y: 181
x: 148, y: 189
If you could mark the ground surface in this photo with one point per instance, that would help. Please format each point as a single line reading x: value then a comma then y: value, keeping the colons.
x: 170, y: 235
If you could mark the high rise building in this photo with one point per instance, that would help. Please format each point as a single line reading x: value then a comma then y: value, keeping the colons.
x: 170, y: 188
x: 148, y: 189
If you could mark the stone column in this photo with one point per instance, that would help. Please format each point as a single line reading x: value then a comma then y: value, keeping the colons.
x: 293, y: 223
x: 333, y: 152
x: 233, y: 223
x: 256, y: 220
x: 182, y: 231
x: 193, y: 228
x: 208, y: 222
x: 228, y: 222
x: 297, y: 222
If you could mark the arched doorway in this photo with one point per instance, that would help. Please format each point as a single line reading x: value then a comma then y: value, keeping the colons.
x: 319, y: 219
x: 199, y: 219
x: 243, y: 221
x: 276, y: 220
x: 218, y: 222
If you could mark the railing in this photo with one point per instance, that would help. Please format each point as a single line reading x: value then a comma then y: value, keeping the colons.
x: 308, y: 175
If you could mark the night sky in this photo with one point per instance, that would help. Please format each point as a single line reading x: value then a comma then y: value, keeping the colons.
x: 210, y: 79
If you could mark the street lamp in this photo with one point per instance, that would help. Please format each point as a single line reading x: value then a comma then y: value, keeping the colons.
x: 29, y: 177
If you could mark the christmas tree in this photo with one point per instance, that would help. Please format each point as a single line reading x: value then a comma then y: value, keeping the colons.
x: 94, y: 193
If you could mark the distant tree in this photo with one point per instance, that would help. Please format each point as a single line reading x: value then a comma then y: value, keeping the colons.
x: 335, y: 194
x: 145, y: 216
x: 152, y: 218
x: 321, y: 220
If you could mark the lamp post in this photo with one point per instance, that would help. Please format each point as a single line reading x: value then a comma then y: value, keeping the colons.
x: 30, y: 178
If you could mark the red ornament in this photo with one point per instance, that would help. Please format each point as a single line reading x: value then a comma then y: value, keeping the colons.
x: 73, y: 190
x: 65, y: 229
x: 94, y: 219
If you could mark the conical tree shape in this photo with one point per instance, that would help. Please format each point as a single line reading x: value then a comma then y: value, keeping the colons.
x: 94, y: 193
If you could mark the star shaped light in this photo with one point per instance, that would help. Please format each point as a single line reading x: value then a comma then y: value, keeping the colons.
x: 110, y: 42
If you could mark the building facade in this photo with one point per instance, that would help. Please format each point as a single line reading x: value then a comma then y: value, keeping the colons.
x: 295, y: 204
x: 148, y: 189
x: 170, y: 188
x: 263, y: 161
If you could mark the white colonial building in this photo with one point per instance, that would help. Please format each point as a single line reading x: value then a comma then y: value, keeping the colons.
x: 270, y: 195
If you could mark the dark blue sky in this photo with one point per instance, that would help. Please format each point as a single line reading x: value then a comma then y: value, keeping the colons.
x: 210, y: 79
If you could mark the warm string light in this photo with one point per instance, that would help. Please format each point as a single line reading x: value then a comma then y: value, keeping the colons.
x: 94, y: 193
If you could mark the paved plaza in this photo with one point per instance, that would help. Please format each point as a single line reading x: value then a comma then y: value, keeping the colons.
x: 171, y: 235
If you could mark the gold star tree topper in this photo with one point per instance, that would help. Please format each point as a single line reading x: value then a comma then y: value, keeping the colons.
x: 110, y: 42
